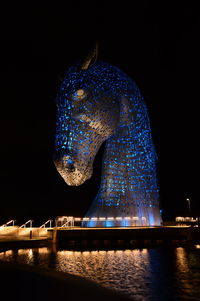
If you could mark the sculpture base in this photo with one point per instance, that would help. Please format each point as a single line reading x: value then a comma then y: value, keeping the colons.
x: 141, y: 217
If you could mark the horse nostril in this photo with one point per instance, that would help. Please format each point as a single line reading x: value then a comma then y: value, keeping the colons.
x: 70, y: 165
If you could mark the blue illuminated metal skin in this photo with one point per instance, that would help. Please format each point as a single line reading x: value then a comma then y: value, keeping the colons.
x: 101, y: 103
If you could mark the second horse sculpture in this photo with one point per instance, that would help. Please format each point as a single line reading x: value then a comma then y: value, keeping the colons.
x: 98, y: 102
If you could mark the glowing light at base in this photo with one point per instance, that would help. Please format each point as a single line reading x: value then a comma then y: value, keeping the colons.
x: 101, y: 103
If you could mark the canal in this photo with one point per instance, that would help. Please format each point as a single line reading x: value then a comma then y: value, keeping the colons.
x: 165, y: 273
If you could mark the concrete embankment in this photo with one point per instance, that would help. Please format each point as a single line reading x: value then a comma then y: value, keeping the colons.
x: 13, y: 243
x: 73, y: 237
x: 14, y: 237
x: 124, y: 237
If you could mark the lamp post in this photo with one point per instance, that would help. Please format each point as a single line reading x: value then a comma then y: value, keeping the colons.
x: 189, y: 207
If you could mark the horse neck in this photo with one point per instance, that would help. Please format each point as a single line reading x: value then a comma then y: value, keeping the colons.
x: 125, y: 150
x: 117, y: 148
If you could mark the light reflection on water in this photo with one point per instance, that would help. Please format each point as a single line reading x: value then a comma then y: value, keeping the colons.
x: 110, y: 268
x: 144, y: 274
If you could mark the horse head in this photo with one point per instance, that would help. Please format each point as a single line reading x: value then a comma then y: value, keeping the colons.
x: 98, y: 102
x: 87, y: 115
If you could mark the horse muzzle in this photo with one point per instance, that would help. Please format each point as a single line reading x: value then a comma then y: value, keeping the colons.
x: 72, y: 175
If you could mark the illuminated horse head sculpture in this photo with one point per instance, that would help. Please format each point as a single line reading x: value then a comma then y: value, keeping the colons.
x: 98, y: 102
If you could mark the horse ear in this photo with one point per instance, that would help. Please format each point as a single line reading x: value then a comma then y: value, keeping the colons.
x: 91, y: 58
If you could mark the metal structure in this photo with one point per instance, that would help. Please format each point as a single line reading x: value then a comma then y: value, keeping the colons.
x: 64, y: 221
x: 30, y: 222
x: 186, y: 219
x: 8, y: 223
x: 98, y: 103
x: 46, y: 223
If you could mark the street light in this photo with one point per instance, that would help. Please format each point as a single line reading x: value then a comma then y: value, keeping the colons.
x: 189, y: 207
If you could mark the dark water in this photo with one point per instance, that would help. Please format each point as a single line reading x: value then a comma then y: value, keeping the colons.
x: 144, y: 274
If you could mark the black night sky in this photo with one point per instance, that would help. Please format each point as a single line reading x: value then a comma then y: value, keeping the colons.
x: 154, y: 42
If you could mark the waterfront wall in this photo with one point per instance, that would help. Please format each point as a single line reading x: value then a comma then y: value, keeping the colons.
x: 124, y: 237
x: 23, y: 232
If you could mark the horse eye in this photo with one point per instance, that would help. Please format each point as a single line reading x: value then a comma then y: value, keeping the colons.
x: 79, y: 94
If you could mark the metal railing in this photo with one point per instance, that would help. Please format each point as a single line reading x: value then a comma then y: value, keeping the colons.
x: 126, y: 221
x: 30, y: 221
x: 47, y: 222
x: 186, y: 219
x: 9, y: 222
x: 69, y: 222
